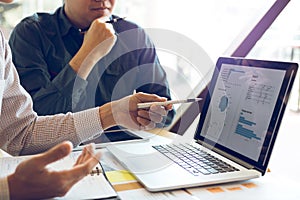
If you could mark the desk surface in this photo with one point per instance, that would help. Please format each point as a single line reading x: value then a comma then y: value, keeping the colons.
x: 281, y: 183
x: 274, y: 185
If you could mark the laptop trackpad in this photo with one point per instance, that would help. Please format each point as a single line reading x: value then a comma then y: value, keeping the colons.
x: 147, y: 163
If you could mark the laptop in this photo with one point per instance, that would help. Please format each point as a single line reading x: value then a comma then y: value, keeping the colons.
x: 235, y: 135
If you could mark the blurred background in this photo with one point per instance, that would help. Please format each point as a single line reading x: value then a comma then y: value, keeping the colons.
x: 217, y: 26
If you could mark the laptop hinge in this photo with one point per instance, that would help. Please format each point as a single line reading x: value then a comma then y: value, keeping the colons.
x: 226, y: 155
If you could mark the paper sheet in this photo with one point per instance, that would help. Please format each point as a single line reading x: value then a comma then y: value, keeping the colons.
x: 264, y: 188
x: 145, y: 195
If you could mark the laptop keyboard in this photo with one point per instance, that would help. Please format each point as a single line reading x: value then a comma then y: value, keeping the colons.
x: 194, y: 160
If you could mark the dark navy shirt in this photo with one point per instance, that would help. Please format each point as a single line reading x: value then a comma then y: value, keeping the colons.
x: 43, y: 44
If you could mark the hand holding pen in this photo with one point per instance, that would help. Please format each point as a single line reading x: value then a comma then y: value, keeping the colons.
x: 98, y: 41
x: 112, y: 21
x: 147, y: 105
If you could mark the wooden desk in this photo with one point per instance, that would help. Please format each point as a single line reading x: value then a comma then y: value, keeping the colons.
x: 163, y: 133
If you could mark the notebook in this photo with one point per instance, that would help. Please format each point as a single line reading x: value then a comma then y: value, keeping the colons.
x: 235, y: 135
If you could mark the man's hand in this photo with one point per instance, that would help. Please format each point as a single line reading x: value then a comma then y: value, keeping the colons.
x: 32, y: 179
x: 124, y: 112
x: 98, y: 42
x: 100, y: 38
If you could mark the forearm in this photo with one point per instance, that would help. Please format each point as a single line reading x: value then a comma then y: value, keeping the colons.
x: 61, y: 95
x: 85, y: 59
x: 48, y: 131
x: 82, y: 64
x: 106, y: 116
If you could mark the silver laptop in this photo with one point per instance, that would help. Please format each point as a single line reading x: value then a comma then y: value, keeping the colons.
x: 236, y: 131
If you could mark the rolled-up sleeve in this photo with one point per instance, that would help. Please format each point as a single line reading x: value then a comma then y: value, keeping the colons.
x: 90, y: 117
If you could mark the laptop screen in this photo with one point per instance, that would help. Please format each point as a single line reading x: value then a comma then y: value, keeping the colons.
x: 244, y: 107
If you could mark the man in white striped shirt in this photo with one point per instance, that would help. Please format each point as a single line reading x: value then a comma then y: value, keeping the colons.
x: 23, y: 132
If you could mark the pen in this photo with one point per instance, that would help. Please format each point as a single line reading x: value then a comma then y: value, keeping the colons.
x: 147, y: 105
x: 82, y: 31
x: 115, y: 20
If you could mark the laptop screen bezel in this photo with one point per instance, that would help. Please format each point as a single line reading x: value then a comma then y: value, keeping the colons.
x: 272, y: 131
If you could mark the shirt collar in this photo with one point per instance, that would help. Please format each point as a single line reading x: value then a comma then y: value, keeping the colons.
x: 65, y: 24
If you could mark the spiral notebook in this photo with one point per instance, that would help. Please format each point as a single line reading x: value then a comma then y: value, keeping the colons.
x: 93, y: 186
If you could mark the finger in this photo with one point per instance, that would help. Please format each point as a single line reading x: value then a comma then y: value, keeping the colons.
x: 108, y: 26
x: 56, y: 153
x: 91, y: 152
x: 87, y: 152
x: 81, y: 157
x: 83, y: 169
x: 90, y: 148
x: 144, y: 97
x: 155, y: 113
x: 151, y: 116
x: 169, y: 107
x: 111, y: 28
x: 145, y: 124
x: 159, y: 110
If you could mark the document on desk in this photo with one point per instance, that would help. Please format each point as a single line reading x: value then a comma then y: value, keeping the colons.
x: 145, y: 195
x: 93, y: 186
x: 268, y: 187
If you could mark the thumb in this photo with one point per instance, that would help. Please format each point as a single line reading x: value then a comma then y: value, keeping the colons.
x: 54, y: 154
x: 144, y: 97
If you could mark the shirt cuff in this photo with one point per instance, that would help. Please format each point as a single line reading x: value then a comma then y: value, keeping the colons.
x: 4, y: 190
x: 88, y: 124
